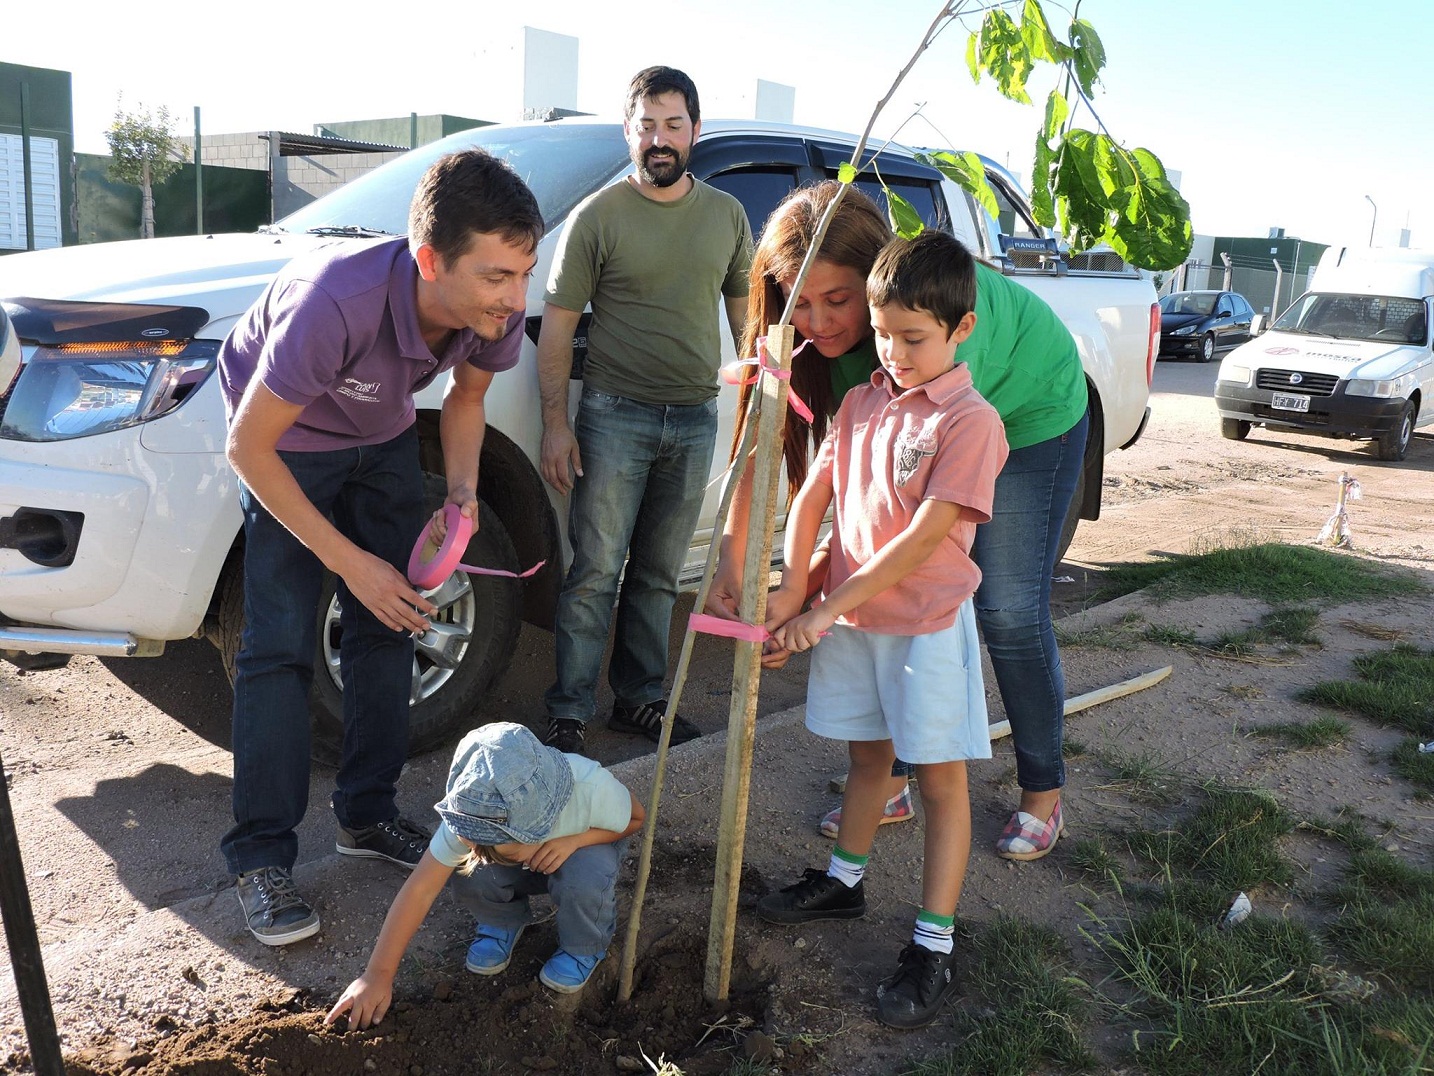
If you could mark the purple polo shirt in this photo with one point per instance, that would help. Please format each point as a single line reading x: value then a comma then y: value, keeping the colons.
x: 337, y: 332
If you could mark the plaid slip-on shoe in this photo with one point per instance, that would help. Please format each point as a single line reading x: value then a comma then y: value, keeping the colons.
x: 1026, y: 837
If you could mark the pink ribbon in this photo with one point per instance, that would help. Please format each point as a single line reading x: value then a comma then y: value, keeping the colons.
x: 764, y: 362
x: 427, y: 573
x: 730, y: 629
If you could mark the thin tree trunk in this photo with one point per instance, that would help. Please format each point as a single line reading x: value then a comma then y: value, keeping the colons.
x: 146, y: 204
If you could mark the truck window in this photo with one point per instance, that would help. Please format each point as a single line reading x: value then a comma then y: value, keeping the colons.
x: 921, y: 195
x: 758, y: 189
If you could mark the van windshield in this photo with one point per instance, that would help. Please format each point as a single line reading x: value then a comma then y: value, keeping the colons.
x: 561, y: 164
x: 1390, y: 318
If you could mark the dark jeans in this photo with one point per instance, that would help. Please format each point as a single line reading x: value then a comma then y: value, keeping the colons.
x: 645, y: 470
x: 374, y: 496
x: 1016, y: 552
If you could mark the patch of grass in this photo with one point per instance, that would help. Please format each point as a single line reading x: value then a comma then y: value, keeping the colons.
x: 1231, y: 841
x: 1072, y: 748
x: 1395, y: 687
x: 1271, y: 571
x: 1294, y: 624
x: 1164, y: 635
x: 1323, y: 731
x: 1089, y: 854
x: 1372, y: 874
x: 1347, y: 827
x: 1145, y: 777
x: 1415, y: 766
x: 1396, y: 940
x: 1022, y: 972
x: 1124, y: 634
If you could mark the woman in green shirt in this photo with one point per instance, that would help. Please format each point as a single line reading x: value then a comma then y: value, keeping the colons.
x: 1024, y: 361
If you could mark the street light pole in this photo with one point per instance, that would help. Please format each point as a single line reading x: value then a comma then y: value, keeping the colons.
x: 1372, y: 218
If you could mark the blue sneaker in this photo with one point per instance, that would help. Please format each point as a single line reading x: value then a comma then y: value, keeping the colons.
x: 567, y: 974
x: 492, y: 949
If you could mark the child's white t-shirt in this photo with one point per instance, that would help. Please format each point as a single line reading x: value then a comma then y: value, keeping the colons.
x: 599, y: 801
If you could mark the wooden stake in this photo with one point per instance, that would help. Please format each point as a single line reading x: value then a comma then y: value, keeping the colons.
x: 1098, y: 696
x: 747, y: 671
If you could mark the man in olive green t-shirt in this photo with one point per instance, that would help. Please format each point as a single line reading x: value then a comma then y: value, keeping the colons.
x: 655, y: 255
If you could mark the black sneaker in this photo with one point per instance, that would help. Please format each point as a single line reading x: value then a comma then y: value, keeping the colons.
x: 646, y: 720
x: 914, y: 995
x: 817, y: 896
x: 397, y: 840
x: 273, y: 910
x: 567, y: 735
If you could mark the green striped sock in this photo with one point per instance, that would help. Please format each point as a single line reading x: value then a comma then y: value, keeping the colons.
x: 935, y: 932
x: 847, y: 868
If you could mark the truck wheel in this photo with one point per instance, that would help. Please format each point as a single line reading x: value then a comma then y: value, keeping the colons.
x: 1234, y: 429
x: 1207, y: 347
x: 1394, y: 445
x: 479, y: 614
x: 1072, y: 520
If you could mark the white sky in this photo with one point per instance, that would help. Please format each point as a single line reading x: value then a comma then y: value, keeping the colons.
x: 1277, y: 113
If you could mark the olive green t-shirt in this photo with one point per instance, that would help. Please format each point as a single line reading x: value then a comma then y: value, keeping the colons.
x: 655, y: 274
x: 1024, y: 361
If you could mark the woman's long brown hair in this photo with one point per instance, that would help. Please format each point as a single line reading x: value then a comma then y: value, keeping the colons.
x: 854, y: 238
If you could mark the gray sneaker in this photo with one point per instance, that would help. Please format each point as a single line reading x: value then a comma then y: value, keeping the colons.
x: 397, y: 840
x: 273, y: 909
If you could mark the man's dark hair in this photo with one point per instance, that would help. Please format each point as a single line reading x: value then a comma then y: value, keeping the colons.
x: 656, y: 81
x: 932, y: 273
x: 471, y: 192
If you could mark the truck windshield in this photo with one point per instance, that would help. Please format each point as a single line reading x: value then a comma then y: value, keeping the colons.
x: 1390, y: 318
x: 560, y: 163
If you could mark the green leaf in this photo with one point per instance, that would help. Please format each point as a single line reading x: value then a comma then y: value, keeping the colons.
x: 1037, y: 36
x: 1004, y: 55
x: 1057, y: 112
x: 847, y: 172
x: 905, y: 221
x: 973, y: 63
x: 967, y: 171
x: 1088, y: 54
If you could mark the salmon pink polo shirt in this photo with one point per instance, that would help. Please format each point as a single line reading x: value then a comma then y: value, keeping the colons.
x: 337, y: 333
x: 886, y: 452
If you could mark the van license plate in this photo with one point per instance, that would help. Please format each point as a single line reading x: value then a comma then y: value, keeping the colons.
x: 1288, y: 402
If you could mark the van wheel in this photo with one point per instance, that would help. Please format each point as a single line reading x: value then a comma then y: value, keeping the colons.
x: 1394, y: 445
x: 478, y: 613
x: 1234, y: 429
x: 1207, y: 347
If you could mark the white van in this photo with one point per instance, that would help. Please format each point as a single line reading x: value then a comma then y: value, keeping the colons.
x: 1349, y: 358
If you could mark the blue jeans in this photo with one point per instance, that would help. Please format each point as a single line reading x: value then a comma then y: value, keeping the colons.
x: 374, y: 496
x: 645, y: 470
x: 584, y: 892
x: 1016, y: 552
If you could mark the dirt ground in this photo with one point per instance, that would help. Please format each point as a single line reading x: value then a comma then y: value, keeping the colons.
x: 119, y: 778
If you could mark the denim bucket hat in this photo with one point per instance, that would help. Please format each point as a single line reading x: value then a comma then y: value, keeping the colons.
x: 504, y: 785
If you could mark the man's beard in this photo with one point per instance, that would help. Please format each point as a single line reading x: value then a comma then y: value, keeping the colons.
x: 664, y: 174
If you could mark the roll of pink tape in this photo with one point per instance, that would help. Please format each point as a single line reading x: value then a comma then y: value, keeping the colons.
x: 427, y: 572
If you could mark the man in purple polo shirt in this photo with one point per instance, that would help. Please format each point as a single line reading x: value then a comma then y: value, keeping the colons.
x: 318, y: 380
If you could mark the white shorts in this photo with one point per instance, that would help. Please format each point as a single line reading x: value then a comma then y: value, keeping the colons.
x: 924, y: 693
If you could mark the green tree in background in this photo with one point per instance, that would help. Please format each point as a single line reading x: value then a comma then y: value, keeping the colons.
x: 146, y: 152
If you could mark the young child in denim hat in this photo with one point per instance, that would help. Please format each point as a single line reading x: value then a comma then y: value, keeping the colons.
x: 518, y: 818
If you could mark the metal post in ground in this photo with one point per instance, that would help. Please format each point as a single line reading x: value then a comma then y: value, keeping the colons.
x: 24, y: 944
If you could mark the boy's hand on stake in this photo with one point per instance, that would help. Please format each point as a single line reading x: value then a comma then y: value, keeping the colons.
x: 782, y: 605
x: 804, y: 632
x: 366, y: 1000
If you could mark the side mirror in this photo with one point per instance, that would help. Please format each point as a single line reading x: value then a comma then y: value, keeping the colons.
x: 1257, y: 325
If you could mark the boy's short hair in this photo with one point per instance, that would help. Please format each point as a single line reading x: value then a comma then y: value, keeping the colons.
x: 505, y: 786
x: 933, y: 273
x: 471, y: 192
x: 653, y: 82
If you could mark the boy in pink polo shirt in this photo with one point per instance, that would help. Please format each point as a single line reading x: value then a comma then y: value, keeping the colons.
x: 909, y: 468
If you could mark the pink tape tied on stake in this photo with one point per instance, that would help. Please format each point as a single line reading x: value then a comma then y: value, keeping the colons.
x: 733, y: 375
x: 427, y: 572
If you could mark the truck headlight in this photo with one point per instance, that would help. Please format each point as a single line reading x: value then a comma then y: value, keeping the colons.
x: 1230, y: 372
x: 79, y: 390
x: 1389, y: 389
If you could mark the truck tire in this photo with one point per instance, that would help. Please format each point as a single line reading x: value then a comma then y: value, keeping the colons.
x: 1072, y: 520
x: 1234, y: 429
x: 448, y: 699
x: 1394, y: 445
x: 1207, y: 347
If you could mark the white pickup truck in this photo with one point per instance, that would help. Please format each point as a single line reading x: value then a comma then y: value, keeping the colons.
x: 119, y: 516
